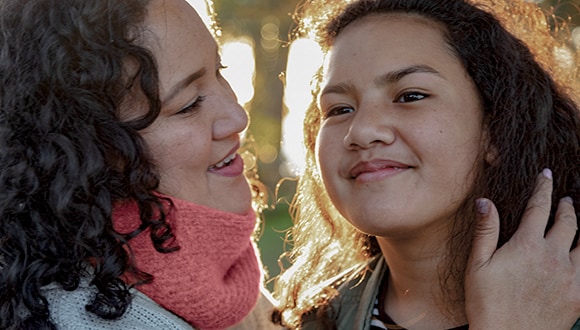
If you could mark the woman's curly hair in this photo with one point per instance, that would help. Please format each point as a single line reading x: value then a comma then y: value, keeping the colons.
x: 527, y: 92
x: 65, y: 156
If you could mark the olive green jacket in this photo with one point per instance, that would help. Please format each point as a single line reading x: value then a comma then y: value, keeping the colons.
x: 353, y: 305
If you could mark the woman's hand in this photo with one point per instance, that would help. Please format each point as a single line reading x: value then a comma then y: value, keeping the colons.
x: 533, y: 281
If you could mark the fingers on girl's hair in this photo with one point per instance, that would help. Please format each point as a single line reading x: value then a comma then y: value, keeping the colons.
x: 537, y: 211
x: 486, y: 233
x: 565, y: 224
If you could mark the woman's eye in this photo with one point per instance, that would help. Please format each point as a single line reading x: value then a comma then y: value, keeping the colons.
x: 337, y: 111
x: 194, y: 105
x: 411, y: 97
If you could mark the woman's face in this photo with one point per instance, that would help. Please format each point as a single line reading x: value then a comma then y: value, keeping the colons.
x: 195, y: 139
x: 401, y: 127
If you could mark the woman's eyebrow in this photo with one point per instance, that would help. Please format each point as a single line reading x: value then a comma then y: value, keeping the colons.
x: 180, y: 85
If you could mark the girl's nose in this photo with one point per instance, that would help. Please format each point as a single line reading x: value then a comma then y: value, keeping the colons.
x: 370, y: 126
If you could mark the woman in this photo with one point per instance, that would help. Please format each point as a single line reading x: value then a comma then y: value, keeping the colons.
x: 120, y: 170
x: 423, y: 107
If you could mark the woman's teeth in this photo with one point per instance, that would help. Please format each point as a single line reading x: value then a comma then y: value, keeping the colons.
x: 224, y: 162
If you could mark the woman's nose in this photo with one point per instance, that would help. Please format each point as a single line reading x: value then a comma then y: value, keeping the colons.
x: 231, y: 118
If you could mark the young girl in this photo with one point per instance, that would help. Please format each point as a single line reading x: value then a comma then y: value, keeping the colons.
x: 425, y: 106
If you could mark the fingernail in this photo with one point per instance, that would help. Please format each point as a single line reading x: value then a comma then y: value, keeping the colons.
x: 568, y: 199
x: 482, y: 206
x: 547, y: 173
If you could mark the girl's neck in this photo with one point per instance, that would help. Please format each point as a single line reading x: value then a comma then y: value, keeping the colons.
x: 414, y: 298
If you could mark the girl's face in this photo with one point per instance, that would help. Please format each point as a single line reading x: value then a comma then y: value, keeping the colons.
x: 401, y: 127
x: 195, y: 139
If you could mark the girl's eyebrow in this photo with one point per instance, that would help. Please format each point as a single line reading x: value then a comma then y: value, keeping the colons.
x: 395, y: 76
x: 387, y: 78
x: 341, y: 88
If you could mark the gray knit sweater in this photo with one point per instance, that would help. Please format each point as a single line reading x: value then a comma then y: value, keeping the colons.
x: 67, y: 310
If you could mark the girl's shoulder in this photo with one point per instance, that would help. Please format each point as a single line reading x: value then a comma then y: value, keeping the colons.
x: 352, y: 306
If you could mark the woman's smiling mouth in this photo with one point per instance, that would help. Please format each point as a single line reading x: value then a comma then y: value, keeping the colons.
x: 224, y: 162
x: 230, y: 166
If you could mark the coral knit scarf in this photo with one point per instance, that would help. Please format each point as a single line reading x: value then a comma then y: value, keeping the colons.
x: 212, y: 281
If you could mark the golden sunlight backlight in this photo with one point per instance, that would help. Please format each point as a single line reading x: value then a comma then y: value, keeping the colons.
x: 304, y: 59
x: 204, y: 9
x: 238, y: 57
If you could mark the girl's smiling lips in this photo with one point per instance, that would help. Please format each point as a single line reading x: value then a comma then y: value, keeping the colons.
x: 376, y: 169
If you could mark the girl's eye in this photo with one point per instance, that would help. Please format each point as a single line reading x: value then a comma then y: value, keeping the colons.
x: 194, y: 105
x: 337, y: 111
x: 411, y: 97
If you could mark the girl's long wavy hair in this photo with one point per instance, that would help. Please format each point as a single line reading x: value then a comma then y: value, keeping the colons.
x: 529, y: 94
x: 65, y: 156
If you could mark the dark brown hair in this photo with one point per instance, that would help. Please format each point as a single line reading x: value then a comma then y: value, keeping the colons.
x: 65, y: 156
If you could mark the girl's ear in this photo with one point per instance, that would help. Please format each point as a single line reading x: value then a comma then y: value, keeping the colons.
x: 491, y: 153
x: 491, y: 156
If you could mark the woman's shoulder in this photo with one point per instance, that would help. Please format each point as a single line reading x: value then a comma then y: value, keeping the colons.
x: 67, y: 309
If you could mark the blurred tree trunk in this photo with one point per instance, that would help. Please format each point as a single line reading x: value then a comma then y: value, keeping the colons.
x: 268, y: 24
